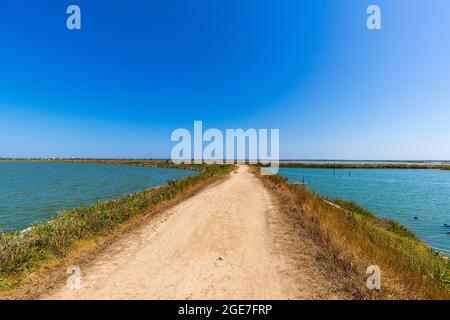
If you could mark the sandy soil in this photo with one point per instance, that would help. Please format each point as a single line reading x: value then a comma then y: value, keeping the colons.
x: 227, y: 242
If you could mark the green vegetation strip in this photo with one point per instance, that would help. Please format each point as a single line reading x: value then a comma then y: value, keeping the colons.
x: 24, y: 251
x: 400, y: 241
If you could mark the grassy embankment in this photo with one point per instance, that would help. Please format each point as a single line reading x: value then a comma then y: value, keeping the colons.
x: 128, y: 162
x: 353, y: 238
x: 23, y: 253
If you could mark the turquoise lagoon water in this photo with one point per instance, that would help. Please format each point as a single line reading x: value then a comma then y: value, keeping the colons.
x: 399, y: 194
x: 37, y: 191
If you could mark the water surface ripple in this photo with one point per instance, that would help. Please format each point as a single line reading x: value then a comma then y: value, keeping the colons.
x: 37, y: 191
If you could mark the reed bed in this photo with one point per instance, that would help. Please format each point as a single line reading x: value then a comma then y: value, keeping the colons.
x: 24, y: 251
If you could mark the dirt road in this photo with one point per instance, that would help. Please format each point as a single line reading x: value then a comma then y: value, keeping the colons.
x: 226, y: 242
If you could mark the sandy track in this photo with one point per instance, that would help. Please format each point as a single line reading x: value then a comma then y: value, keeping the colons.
x: 223, y: 243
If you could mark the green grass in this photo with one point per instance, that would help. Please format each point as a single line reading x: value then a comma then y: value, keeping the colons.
x: 24, y: 252
x: 353, y: 207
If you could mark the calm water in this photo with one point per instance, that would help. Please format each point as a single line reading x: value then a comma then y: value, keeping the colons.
x: 399, y: 194
x: 424, y: 162
x: 33, y: 192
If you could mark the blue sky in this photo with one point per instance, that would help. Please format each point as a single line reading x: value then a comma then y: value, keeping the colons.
x: 139, y: 69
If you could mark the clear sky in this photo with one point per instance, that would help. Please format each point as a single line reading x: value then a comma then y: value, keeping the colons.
x: 139, y: 69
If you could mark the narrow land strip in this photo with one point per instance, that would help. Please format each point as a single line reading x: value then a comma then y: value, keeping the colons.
x: 228, y: 242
